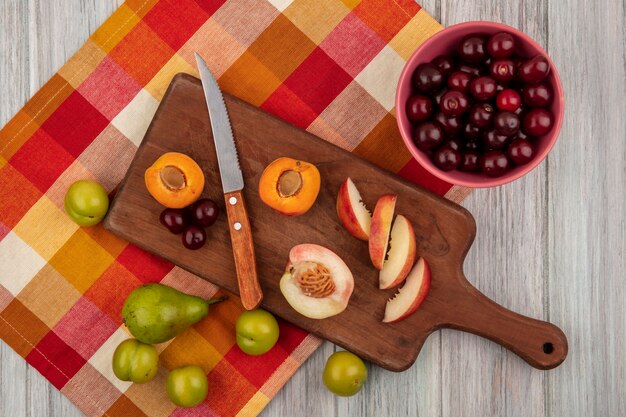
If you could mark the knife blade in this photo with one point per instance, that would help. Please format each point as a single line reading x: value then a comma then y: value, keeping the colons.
x: 227, y: 159
x: 232, y: 183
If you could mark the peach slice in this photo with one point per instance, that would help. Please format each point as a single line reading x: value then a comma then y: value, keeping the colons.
x: 381, y: 226
x: 401, y: 254
x: 317, y: 283
x: 352, y: 213
x: 411, y: 295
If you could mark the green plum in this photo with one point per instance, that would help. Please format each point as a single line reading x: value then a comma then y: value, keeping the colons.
x: 344, y: 374
x: 86, y: 202
x: 187, y: 386
x: 135, y: 361
x: 257, y: 331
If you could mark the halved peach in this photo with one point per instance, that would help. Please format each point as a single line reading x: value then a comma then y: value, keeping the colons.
x: 352, y: 213
x: 401, y: 254
x: 411, y: 295
x: 316, y: 283
x: 381, y: 226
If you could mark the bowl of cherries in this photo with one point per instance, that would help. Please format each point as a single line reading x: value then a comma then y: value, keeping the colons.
x: 479, y: 104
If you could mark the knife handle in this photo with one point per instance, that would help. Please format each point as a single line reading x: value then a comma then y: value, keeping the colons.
x: 243, y: 250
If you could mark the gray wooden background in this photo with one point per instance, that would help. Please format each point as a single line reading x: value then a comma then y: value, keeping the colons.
x: 550, y: 245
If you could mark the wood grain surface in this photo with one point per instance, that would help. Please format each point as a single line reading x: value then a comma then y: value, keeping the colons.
x: 444, y: 232
x: 244, y: 255
x: 554, y: 247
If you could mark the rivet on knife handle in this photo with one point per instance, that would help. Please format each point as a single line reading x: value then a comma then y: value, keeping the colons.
x: 243, y: 250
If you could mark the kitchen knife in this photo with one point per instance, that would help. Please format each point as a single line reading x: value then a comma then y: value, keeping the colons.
x: 232, y: 183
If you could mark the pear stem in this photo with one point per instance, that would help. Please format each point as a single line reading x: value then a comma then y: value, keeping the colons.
x: 216, y: 300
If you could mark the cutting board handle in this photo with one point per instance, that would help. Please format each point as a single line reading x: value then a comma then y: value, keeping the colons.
x: 543, y: 345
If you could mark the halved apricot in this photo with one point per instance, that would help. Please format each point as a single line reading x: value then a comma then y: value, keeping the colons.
x: 175, y: 180
x: 289, y: 186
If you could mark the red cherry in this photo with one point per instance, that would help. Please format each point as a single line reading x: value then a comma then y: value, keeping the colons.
x: 454, y: 143
x: 470, y: 161
x: 459, y: 81
x: 428, y: 135
x: 534, y: 70
x: 471, y: 132
x: 472, y: 49
x: 419, y: 108
x: 502, y: 70
x: 501, y: 45
x: 454, y: 103
x: 539, y: 95
x: 495, y: 140
x: 204, y: 212
x: 174, y: 219
x: 446, y: 158
x: 445, y: 64
x: 194, y: 237
x: 537, y: 122
x: 506, y: 123
x: 451, y: 125
x: 427, y: 78
x: 508, y: 100
x: 483, y: 88
x: 494, y: 163
x: 520, y: 151
x: 481, y: 115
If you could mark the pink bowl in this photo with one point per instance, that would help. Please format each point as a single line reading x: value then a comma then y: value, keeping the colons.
x: 445, y: 43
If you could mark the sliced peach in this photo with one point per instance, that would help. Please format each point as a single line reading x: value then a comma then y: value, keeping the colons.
x: 289, y: 186
x: 352, y: 213
x: 381, y: 226
x: 401, y: 254
x: 411, y: 295
x: 316, y: 283
x: 174, y: 180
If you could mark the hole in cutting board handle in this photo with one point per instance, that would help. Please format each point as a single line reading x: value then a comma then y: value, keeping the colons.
x: 541, y: 344
x: 548, y: 348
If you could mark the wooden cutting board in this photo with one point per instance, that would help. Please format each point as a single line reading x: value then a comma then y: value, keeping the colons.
x: 444, y: 233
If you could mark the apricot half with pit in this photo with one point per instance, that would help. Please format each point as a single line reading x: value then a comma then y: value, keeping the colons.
x: 175, y: 180
x: 317, y: 283
x: 289, y: 186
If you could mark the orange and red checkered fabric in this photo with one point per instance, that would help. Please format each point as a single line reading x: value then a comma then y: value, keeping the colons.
x: 328, y: 66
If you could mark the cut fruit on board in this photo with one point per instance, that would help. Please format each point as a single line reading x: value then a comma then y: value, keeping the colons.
x: 352, y: 212
x: 408, y: 298
x: 401, y: 254
x: 444, y: 232
x: 381, y: 227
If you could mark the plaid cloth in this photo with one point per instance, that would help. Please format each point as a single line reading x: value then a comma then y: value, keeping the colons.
x: 328, y: 66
